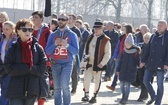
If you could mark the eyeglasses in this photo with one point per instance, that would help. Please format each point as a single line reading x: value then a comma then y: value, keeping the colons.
x: 62, y: 19
x: 27, y: 29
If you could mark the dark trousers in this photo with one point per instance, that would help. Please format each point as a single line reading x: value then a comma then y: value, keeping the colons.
x: 144, y: 92
x: 18, y: 101
x: 74, y: 76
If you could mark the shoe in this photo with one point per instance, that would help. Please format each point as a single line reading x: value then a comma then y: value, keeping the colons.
x: 107, y: 79
x: 140, y: 100
x: 73, y: 91
x: 150, y: 102
x: 85, y: 98
x: 110, y: 87
x: 93, y: 100
x: 124, y: 102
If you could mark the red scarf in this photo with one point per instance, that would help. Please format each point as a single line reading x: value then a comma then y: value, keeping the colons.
x: 27, y: 56
x: 122, y: 45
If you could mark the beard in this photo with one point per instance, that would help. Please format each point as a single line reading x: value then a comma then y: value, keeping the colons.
x: 61, y: 25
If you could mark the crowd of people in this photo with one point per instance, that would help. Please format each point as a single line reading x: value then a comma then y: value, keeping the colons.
x: 38, y: 60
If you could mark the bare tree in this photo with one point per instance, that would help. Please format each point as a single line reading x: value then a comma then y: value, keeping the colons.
x: 166, y: 11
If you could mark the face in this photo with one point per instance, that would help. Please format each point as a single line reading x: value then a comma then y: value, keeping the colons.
x: 7, y: 30
x: 71, y: 20
x: 143, y: 30
x: 105, y: 26
x: 128, y: 46
x: 124, y: 30
x: 109, y: 27
x: 53, y: 26
x: 78, y: 25
x: 62, y: 21
x: 161, y: 27
x: 2, y: 18
x: 146, y: 39
x: 25, y: 33
x: 36, y: 19
x: 98, y: 31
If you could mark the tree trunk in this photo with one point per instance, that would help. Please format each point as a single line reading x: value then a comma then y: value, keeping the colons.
x: 118, y: 11
x: 150, y: 2
x: 58, y: 7
x: 166, y: 11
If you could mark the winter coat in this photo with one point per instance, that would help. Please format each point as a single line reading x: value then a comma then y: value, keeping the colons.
x: 24, y: 82
x: 113, y: 35
x: 156, y: 54
x: 128, y: 63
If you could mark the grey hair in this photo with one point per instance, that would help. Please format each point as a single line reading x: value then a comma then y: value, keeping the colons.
x: 111, y: 23
x: 143, y: 25
x: 163, y: 21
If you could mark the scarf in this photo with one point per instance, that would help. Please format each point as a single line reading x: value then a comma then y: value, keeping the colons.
x: 27, y: 56
x: 121, y: 48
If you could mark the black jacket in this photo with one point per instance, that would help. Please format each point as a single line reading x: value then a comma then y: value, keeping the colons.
x: 113, y: 35
x: 156, y: 54
x: 24, y: 82
x: 128, y: 65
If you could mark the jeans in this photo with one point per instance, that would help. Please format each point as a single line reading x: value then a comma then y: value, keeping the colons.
x: 17, y: 101
x: 114, y: 82
x: 160, y: 79
x: 4, y: 85
x: 125, y: 89
x: 61, y: 77
x: 110, y: 67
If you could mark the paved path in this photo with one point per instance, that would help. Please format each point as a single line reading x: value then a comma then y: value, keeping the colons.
x: 107, y: 97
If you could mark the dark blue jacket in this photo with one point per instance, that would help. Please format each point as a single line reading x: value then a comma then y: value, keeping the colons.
x: 113, y: 35
x: 128, y: 65
x: 23, y: 79
x: 156, y: 54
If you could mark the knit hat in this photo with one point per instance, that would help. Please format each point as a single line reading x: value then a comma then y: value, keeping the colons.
x: 129, y: 39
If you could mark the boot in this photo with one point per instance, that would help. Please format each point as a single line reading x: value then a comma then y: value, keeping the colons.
x: 86, y: 97
x: 122, y: 99
x: 93, y: 99
x: 41, y: 101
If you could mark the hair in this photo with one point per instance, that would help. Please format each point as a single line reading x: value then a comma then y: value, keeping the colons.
x: 64, y: 16
x: 111, y: 23
x: 148, y: 34
x: 80, y: 16
x: 39, y: 13
x: 129, y: 28
x: 143, y: 25
x: 118, y: 25
x: 23, y: 23
x: 80, y: 22
x: 74, y: 17
x: 163, y: 21
x: 5, y: 15
x: 54, y: 15
x: 137, y: 29
x: 87, y: 26
x: 11, y: 24
x: 54, y: 21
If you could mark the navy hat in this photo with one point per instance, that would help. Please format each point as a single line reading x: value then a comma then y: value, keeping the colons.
x: 98, y: 24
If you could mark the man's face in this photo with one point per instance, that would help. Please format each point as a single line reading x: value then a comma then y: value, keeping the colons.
x: 37, y: 20
x: 109, y: 27
x: 98, y: 31
x: 62, y: 21
x: 161, y: 27
x: 71, y: 20
x: 143, y: 30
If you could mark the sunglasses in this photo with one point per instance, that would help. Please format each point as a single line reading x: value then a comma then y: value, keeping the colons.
x: 62, y: 19
x: 27, y: 29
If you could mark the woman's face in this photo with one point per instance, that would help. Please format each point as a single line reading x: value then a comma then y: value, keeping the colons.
x: 2, y: 18
x: 7, y: 30
x: 124, y: 30
x: 25, y: 32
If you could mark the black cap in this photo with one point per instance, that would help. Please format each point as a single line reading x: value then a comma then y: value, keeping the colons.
x: 98, y: 24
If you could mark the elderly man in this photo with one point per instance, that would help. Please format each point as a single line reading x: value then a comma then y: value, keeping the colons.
x: 156, y: 61
x: 98, y: 48
x: 113, y: 35
x: 143, y: 29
